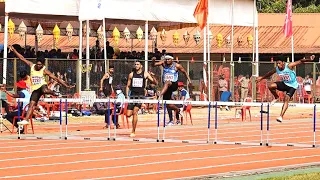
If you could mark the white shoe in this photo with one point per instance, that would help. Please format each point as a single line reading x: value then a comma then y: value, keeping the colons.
x: 273, y: 102
x: 23, y: 122
x: 279, y: 119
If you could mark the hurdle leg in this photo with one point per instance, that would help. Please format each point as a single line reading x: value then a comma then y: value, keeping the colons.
x: 60, y: 119
x: 209, y: 118
x: 115, y: 121
x: 268, y: 123
x: 158, y: 123
x: 164, y: 121
x: 216, y: 123
x: 108, y: 120
x: 261, y: 125
x: 314, y: 125
x: 66, y: 109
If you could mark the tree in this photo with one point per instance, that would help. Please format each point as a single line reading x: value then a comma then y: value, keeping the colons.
x: 299, y: 6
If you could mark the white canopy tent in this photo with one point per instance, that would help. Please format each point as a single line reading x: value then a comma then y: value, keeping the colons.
x: 224, y: 12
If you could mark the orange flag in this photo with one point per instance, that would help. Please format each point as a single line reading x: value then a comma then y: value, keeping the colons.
x: 201, y: 13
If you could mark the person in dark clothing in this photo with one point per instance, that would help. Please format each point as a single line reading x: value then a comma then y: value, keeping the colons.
x: 136, y: 85
x: 106, y: 82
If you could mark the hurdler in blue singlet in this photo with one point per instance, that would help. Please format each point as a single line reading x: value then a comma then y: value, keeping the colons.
x: 170, y: 73
x: 288, y: 76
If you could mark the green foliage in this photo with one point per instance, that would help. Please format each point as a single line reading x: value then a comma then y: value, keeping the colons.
x: 299, y: 6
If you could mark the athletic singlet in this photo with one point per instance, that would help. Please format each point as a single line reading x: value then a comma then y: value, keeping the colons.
x: 137, y: 84
x: 170, y: 73
x: 288, y: 76
x: 108, y: 82
x: 37, y: 78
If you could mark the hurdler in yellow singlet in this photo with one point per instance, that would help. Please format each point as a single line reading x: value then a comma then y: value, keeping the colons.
x: 37, y: 78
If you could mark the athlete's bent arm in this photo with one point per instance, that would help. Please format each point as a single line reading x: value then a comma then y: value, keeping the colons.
x: 150, y: 78
x: 128, y: 84
x: 301, y: 61
x: 105, y: 76
x: 267, y: 75
x: 20, y: 56
x: 47, y: 72
x: 154, y: 63
x: 181, y: 69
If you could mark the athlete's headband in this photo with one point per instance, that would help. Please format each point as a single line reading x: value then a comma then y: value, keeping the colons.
x: 168, y: 57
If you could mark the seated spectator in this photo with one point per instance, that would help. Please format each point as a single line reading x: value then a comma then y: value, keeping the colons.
x: 225, y: 97
x: 183, y: 96
x: 21, y: 93
x: 151, y: 93
x: 307, y: 82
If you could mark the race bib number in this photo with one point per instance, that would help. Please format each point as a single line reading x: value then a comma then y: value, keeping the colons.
x: 36, y: 80
x: 137, y: 82
x: 169, y: 77
x: 285, y: 77
x: 110, y: 80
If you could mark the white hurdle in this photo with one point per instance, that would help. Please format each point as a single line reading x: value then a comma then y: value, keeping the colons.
x: 263, y: 141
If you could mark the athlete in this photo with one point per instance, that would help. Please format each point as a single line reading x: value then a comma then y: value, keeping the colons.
x: 136, y: 86
x: 288, y: 82
x: 170, y: 78
x: 38, y: 83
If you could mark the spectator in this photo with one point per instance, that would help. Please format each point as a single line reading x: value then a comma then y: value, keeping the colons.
x: 223, y: 84
x: 244, y: 84
x: 21, y: 93
x: 307, y: 82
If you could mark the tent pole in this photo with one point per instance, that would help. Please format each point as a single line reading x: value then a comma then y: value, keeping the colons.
x: 146, y: 35
x: 106, y: 64
x: 205, y: 57
x: 231, y: 61
x: 5, y: 49
x: 87, y: 56
x: 79, y: 69
x: 209, y: 61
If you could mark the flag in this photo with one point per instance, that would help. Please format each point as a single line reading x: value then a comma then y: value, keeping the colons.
x: 201, y: 13
x: 287, y: 28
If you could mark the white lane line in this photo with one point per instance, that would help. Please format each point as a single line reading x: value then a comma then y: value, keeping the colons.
x: 126, y: 157
x: 83, y: 147
x: 248, y: 172
x: 98, y: 152
x: 51, y: 144
x: 161, y: 162
x: 204, y: 167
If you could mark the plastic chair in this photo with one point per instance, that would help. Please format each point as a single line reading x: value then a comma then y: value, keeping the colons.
x: 187, y: 111
x: 124, y: 115
x: 243, y: 109
x: 15, y: 118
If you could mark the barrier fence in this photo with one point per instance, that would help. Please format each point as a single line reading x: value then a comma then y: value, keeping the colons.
x: 261, y: 131
x: 67, y: 69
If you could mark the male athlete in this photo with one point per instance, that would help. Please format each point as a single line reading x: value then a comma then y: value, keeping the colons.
x: 38, y: 83
x: 288, y: 82
x: 170, y: 78
x: 136, y: 85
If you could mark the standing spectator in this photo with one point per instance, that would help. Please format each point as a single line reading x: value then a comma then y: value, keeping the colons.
x: 96, y: 50
x: 307, y: 82
x: 244, y: 84
x: 223, y: 85
x: 106, y: 82
x: 110, y: 50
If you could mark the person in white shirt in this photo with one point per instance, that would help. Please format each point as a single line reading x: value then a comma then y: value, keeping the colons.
x: 307, y: 82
